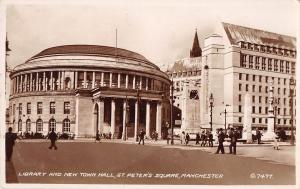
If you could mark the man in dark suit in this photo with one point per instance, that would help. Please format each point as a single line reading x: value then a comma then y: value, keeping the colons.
x: 221, y: 138
x: 233, y: 135
x: 142, y: 136
x: 53, y: 137
x: 9, y: 143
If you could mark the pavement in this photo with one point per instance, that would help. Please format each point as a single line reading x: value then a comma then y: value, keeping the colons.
x: 123, y: 162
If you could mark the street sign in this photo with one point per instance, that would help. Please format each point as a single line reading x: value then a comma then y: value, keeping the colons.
x: 178, y: 122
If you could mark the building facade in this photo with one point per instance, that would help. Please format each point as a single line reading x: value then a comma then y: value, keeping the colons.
x: 82, y: 89
x: 238, y: 61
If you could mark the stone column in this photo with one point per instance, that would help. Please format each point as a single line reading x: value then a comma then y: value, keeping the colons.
x: 37, y: 87
x: 93, y: 81
x: 148, y: 119
x: 113, y: 117
x: 76, y: 79
x: 158, y: 119
x: 110, y: 80
x: 247, y: 130
x: 31, y: 82
x: 63, y: 80
x: 44, y: 81
x: 124, y: 120
x: 119, y: 80
x: 51, y: 81
x: 102, y: 79
x: 17, y: 89
x: 58, y: 81
x: 84, y: 80
x: 21, y: 83
x: 25, y: 89
x: 101, y: 115
x: 141, y: 83
x: 147, y: 83
x: 133, y: 83
x: 136, y: 120
x: 270, y: 134
x: 126, y: 81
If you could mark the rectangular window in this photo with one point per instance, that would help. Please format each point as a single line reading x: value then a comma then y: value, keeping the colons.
x: 260, y: 78
x: 240, y: 76
x: 267, y: 78
x: 259, y: 89
x: 240, y: 119
x: 253, y: 109
x: 266, y: 89
x: 240, y: 98
x: 266, y: 100
x: 67, y: 107
x: 253, y: 98
x: 28, y: 108
x: 266, y: 120
x: 284, y: 81
x: 240, y: 87
x: 250, y: 61
x: 278, y: 90
x: 253, y: 78
x: 293, y: 67
x: 281, y: 66
x: 266, y: 110
x: 259, y: 120
x: 259, y: 99
x: 39, y: 108
x: 20, y: 108
x: 287, y: 67
x: 263, y: 63
x: 284, y: 101
x: 253, y: 88
x: 284, y: 91
x: 278, y: 111
x: 253, y: 120
x: 269, y: 64
x: 246, y: 87
x: 52, y: 107
x: 257, y: 62
x: 284, y: 111
x: 247, y: 77
x: 278, y: 80
x: 259, y: 109
x: 240, y: 108
x: 275, y: 65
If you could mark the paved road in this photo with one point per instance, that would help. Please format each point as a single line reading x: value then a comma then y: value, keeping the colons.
x: 154, y: 162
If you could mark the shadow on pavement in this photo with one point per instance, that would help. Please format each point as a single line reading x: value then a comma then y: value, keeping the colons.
x: 11, y: 175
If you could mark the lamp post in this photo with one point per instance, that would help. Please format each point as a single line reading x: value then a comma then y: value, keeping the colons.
x: 225, y: 117
x: 211, y: 103
x: 292, y: 87
x: 275, y: 103
x: 172, y: 101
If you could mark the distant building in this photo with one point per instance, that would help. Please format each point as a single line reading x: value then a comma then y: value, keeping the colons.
x: 235, y: 61
x: 81, y: 89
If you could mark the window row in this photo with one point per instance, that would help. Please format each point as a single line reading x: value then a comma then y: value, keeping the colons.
x: 261, y: 78
x: 269, y: 64
x: 185, y: 73
x: 259, y: 110
x: 260, y: 120
x: 267, y: 49
x: 66, y: 125
x: 39, y: 108
x: 259, y: 99
x: 265, y: 89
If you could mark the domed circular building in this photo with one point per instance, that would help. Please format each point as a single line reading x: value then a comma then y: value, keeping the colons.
x: 82, y: 89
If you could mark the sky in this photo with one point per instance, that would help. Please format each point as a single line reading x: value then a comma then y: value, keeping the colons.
x: 162, y: 31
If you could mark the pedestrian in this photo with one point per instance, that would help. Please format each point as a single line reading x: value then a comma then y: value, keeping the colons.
x: 221, y: 137
x: 182, y: 137
x: 276, y: 143
x: 203, y: 138
x: 258, y: 135
x: 97, y: 136
x: 142, y: 135
x: 197, y: 138
x: 9, y: 143
x: 233, y: 135
x: 53, y: 137
x: 210, y: 139
x: 187, y: 139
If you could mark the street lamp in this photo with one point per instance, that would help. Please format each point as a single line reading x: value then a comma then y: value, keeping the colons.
x: 225, y: 116
x: 211, y: 103
x: 292, y: 88
x: 172, y: 101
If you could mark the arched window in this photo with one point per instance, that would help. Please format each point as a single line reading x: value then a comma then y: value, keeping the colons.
x: 20, y: 125
x: 28, y: 125
x: 39, y: 125
x: 66, y: 125
x: 52, y: 124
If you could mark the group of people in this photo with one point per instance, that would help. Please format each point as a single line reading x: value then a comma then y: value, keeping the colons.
x: 206, y: 138
x: 102, y: 135
x: 233, y: 136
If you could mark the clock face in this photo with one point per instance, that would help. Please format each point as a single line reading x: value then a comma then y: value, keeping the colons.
x: 194, y: 94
